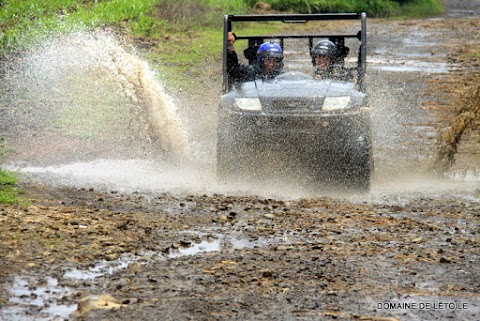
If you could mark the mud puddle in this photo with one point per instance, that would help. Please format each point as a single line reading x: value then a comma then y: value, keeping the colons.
x: 409, y: 65
x: 211, y: 243
x: 44, y: 298
x: 37, y: 298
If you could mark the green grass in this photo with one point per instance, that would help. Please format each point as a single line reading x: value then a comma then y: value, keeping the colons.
x: 183, y: 61
x: 475, y: 55
x: 6, y: 178
x: 8, y: 191
x: 194, y: 24
x: 24, y: 21
x: 87, y: 121
x: 374, y: 8
x: 419, y: 9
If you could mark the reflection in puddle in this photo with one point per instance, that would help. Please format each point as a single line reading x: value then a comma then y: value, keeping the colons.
x: 32, y: 299
x: 204, y: 246
x: 37, y: 300
x: 102, y: 268
x: 222, y: 242
x: 217, y: 244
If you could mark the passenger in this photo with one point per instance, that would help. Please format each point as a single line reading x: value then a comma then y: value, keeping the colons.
x: 268, y: 65
x: 328, y: 62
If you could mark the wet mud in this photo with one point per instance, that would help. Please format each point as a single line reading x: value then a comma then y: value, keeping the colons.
x: 94, y: 246
x: 165, y: 257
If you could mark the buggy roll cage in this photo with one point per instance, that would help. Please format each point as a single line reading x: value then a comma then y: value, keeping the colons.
x: 255, y: 41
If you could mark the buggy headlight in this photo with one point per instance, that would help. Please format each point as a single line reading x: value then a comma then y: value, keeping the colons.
x: 335, y: 103
x: 248, y: 103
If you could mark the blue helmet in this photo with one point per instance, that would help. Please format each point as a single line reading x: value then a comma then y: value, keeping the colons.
x: 269, y: 50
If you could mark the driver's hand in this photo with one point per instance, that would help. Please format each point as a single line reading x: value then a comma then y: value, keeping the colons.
x: 231, y: 40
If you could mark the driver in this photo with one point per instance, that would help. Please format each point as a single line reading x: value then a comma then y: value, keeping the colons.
x: 326, y: 60
x: 268, y: 65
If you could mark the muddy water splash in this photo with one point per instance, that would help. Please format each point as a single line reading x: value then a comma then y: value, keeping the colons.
x: 88, y: 112
x: 142, y: 85
x: 83, y: 94
x: 452, y: 134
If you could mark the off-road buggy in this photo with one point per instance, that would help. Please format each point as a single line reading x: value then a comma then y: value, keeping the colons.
x: 295, y: 127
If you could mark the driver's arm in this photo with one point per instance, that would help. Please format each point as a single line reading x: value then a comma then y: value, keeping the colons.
x: 232, y: 58
x: 236, y: 71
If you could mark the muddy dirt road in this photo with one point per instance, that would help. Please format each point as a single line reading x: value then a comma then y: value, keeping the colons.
x: 99, y: 242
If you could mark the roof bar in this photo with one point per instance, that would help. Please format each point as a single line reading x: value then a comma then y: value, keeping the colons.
x: 295, y: 17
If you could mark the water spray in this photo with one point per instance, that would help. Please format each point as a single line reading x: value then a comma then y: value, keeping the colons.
x: 85, y: 89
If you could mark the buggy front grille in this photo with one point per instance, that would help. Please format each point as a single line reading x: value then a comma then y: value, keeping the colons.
x: 293, y: 104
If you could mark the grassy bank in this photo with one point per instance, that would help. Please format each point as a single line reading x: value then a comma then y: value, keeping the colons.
x: 8, y: 191
x: 22, y: 21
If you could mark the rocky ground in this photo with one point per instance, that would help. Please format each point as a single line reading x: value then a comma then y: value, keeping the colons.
x: 92, y: 253
x: 218, y: 257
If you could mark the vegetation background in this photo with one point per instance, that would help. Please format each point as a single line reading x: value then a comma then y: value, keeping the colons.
x: 22, y: 21
x: 189, y: 30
